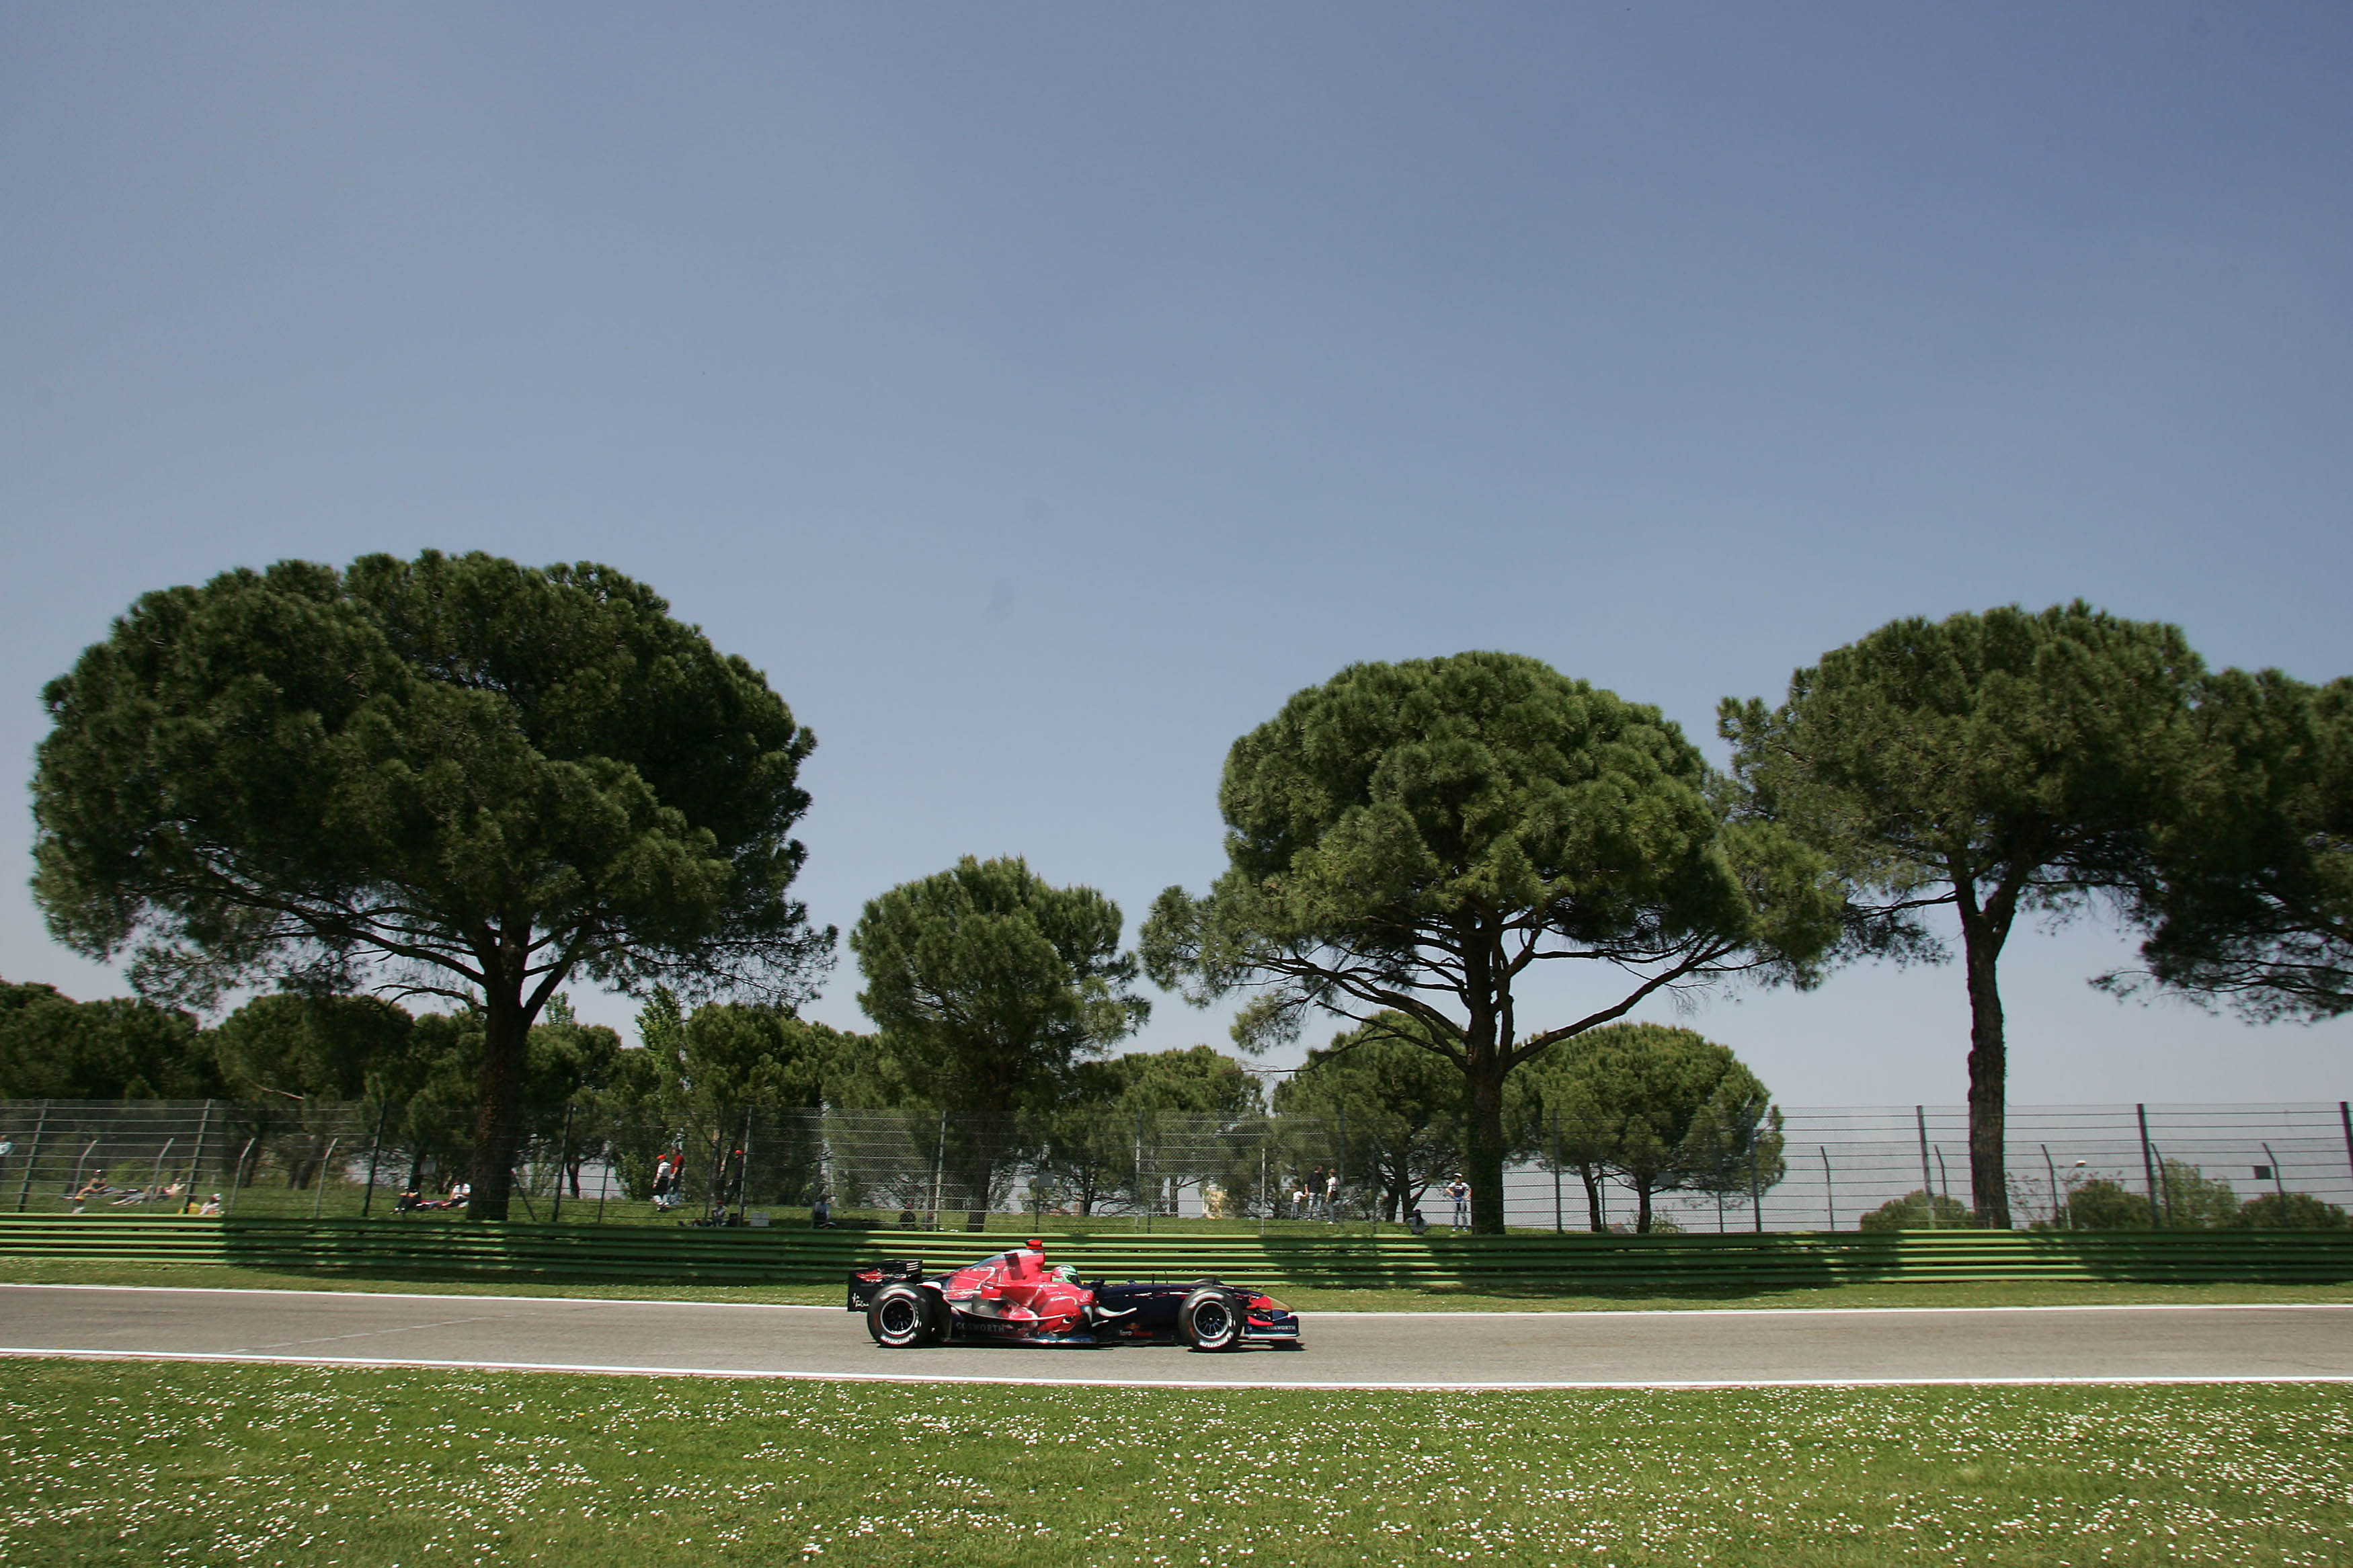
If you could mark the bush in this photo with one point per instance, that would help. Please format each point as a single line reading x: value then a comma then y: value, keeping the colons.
x: 2289, y: 1211
x: 2102, y: 1204
x: 1914, y: 1211
x: 2194, y: 1200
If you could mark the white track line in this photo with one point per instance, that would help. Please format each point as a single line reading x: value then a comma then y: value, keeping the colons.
x: 1435, y: 1312
x: 1194, y: 1383
x: 419, y: 1296
x: 1867, y: 1312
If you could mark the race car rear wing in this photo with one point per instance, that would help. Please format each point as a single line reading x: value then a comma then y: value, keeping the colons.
x: 864, y: 1282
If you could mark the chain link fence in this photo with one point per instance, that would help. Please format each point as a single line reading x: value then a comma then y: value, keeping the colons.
x: 595, y: 1162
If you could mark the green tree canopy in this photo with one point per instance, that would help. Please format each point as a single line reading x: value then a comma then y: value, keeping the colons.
x: 988, y: 986
x: 315, y: 1047
x: 472, y: 778
x: 1412, y: 838
x: 1401, y: 1103
x: 1658, y: 1109
x: 1194, y: 1080
x: 701, y: 1079
x: 736, y: 1055
x: 1997, y: 764
x: 1144, y: 1121
x: 2249, y: 897
x: 1089, y: 1145
x: 54, y: 1047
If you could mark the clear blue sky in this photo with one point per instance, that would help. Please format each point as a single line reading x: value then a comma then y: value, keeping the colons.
x: 1039, y: 393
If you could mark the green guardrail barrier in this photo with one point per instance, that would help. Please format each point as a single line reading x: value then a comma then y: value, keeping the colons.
x: 1573, y: 1263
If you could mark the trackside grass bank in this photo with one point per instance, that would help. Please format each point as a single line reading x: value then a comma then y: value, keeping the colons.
x: 1308, y: 1299
x: 146, y: 1463
x: 1504, y: 1265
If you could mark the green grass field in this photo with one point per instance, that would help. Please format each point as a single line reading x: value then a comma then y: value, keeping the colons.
x: 159, y: 1463
x: 2006, y: 1294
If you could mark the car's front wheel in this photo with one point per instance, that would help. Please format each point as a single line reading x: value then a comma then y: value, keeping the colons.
x: 1209, y: 1321
x: 899, y: 1318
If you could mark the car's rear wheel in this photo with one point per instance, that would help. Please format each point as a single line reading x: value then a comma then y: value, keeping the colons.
x: 1209, y: 1321
x: 900, y: 1318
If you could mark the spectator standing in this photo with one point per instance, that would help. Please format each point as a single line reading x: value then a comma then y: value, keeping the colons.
x: 1331, y: 1196
x: 1459, y: 1191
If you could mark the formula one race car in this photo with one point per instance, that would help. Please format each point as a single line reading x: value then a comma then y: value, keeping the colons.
x: 1014, y: 1298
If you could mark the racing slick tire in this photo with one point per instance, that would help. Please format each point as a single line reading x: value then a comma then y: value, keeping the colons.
x: 900, y: 1318
x: 1207, y: 1320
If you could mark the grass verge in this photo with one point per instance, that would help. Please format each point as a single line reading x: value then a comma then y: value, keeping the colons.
x: 2006, y: 1294
x: 124, y: 1463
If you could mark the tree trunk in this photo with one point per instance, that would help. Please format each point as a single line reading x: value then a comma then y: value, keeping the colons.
x: 1592, y: 1198
x: 1642, y: 1208
x: 1983, y: 931
x: 498, y: 1114
x: 1483, y: 1068
x: 979, y: 1175
x: 1487, y: 1152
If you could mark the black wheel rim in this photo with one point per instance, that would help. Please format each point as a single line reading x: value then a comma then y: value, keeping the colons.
x: 1211, y: 1321
x: 899, y: 1318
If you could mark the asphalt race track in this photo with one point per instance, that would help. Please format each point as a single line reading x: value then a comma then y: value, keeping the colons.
x: 1359, y: 1350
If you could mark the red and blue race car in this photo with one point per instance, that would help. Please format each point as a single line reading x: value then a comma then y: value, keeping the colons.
x: 1016, y: 1297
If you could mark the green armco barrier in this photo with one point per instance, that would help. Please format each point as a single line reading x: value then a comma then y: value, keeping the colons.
x: 1568, y: 1263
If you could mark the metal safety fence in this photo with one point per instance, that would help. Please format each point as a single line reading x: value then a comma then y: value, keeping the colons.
x: 1832, y: 1168
x: 593, y: 1161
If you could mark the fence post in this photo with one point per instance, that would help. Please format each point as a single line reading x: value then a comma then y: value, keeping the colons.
x: 1829, y: 1191
x: 2052, y: 1170
x: 1927, y: 1185
x: 2279, y: 1177
x: 563, y: 1149
x: 1143, y: 1193
x: 196, y: 1160
x: 1265, y: 1195
x: 2148, y: 1167
x: 2344, y: 1114
x: 25, y: 1187
x: 1331, y: 1216
x: 155, y: 1177
x: 1559, y: 1225
x: 318, y: 1198
x: 236, y: 1176
x: 376, y: 1147
x: 743, y: 1166
x: 939, y: 1168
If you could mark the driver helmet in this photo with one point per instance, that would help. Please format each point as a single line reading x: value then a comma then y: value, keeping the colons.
x: 1066, y: 1272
